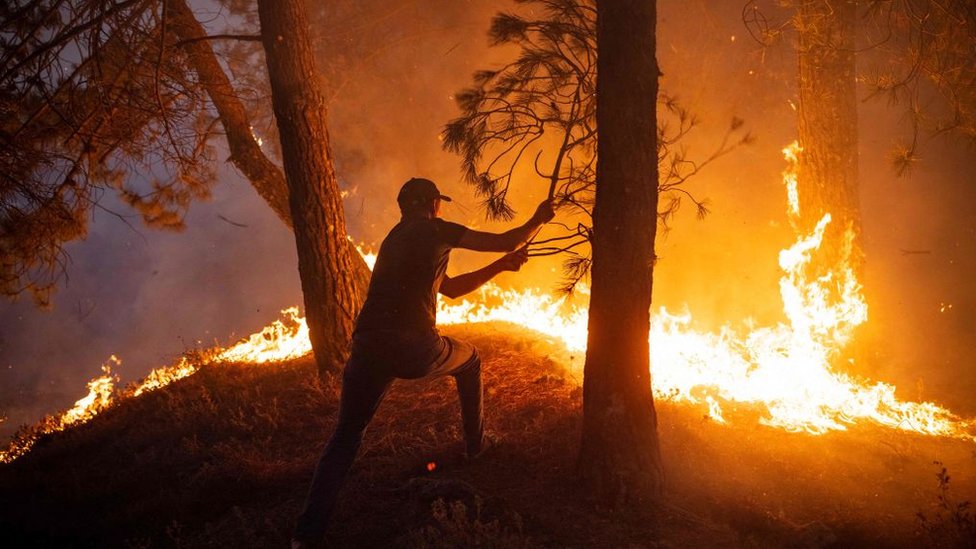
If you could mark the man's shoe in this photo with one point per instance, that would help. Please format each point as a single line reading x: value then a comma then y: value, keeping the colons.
x: 488, y: 442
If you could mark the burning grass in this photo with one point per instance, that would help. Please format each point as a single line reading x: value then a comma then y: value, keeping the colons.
x: 284, y: 339
x: 222, y: 458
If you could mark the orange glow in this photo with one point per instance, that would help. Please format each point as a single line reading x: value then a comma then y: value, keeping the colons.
x: 784, y: 370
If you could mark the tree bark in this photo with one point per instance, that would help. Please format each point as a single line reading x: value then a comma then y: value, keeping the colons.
x: 827, y: 168
x: 827, y: 125
x: 619, y: 457
x: 245, y: 153
x: 325, y: 260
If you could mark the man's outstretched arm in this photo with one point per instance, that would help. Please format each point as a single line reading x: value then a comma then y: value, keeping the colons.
x: 464, y: 284
x: 510, y: 240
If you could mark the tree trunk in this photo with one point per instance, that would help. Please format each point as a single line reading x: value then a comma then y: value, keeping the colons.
x: 827, y: 125
x: 245, y: 153
x: 619, y: 458
x: 325, y: 261
x: 827, y: 170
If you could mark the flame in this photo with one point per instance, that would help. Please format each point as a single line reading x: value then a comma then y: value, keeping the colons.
x: 283, y: 339
x: 528, y: 308
x: 783, y: 371
x: 256, y: 137
x: 369, y: 257
x: 792, y: 155
x: 786, y: 368
x: 101, y: 395
x: 161, y: 377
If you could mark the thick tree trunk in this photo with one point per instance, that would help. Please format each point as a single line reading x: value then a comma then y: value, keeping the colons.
x: 619, y: 458
x: 827, y: 170
x: 245, y: 153
x: 325, y: 261
x: 827, y: 124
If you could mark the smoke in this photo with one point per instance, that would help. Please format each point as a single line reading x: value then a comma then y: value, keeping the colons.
x: 147, y: 296
x: 919, y: 232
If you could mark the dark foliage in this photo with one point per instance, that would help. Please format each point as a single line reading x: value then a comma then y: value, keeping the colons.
x: 535, y: 117
x: 926, y: 67
x: 96, y: 97
x: 951, y: 523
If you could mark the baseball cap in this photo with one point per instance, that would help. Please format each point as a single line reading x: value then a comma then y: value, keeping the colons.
x: 418, y: 191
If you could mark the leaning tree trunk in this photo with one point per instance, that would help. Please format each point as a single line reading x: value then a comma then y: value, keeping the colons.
x: 325, y: 262
x: 245, y: 152
x: 619, y: 458
x: 827, y: 125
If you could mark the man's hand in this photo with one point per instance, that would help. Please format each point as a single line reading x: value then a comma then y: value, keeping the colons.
x: 544, y: 212
x: 514, y: 260
x: 457, y: 286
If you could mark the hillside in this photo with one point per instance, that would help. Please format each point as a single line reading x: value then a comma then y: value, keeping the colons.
x: 222, y: 459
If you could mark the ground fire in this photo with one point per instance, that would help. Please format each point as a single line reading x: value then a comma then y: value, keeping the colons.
x: 781, y: 373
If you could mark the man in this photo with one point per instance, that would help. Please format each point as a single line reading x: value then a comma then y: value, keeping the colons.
x: 396, y: 334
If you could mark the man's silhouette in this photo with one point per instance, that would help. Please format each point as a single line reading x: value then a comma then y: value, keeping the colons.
x: 396, y: 334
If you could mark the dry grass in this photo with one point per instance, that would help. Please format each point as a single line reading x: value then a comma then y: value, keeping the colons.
x: 223, y: 458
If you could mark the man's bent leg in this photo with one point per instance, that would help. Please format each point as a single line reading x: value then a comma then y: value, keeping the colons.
x: 468, y: 379
x: 361, y: 396
x: 460, y: 359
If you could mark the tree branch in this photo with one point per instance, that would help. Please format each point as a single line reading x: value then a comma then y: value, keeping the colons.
x: 241, y: 37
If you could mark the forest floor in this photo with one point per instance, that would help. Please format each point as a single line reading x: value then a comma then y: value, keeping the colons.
x: 223, y: 459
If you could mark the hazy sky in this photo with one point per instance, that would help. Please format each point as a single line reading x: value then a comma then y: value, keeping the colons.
x: 148, y: 296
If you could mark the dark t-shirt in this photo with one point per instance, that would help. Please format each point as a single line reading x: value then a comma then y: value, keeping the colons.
x: 407, y: 276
